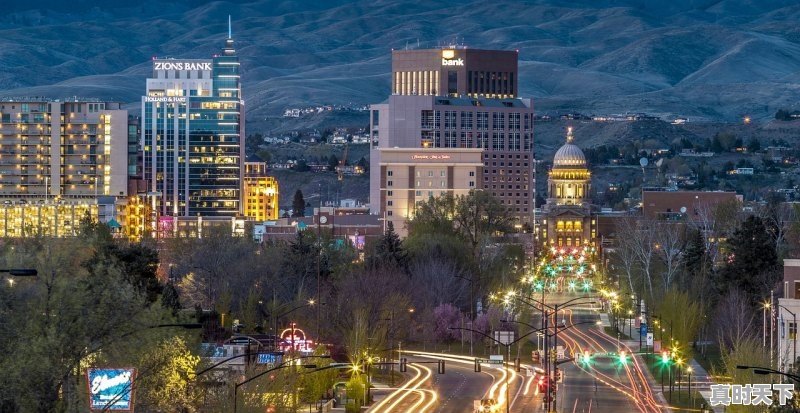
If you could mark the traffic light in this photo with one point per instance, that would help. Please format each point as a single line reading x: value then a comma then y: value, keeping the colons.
x: 559, y: 376
x: 587, y: 357
x: 665, y: 357
x: 403, y: 364
x: 441, y: 366
x: 516, y: 364
x: 623, y: 358
x: 477, y: 366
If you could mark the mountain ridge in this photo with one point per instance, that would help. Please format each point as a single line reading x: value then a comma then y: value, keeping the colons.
x: 712, y: 60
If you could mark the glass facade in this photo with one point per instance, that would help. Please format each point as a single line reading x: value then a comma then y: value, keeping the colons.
x: 192, y: 137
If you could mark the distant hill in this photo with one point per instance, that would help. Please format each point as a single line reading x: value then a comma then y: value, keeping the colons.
x: 714, y: 60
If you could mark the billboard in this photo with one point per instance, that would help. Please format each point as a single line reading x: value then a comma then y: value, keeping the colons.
x: 111, y: 389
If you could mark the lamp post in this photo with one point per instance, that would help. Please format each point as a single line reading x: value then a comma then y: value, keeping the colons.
x: 689, y: 375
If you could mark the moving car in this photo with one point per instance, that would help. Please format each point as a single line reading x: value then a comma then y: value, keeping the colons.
x: 489, y: 406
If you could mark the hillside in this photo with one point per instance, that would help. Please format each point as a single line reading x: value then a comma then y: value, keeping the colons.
x: 712, y: 60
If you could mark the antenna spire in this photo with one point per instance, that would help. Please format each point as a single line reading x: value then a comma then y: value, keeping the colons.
x: 229, y: 27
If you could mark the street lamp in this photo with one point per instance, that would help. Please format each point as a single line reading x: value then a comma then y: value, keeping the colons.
x: 766, y: 370
x: 19, y: 273
x: 16, y: 272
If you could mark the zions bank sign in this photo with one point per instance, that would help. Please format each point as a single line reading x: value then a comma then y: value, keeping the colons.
x: 178, y: 65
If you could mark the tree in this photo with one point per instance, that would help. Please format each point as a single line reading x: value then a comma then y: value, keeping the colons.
x: 298, y: 205
x: 72, y: 316
x: 752, y: 261
x: 748, y: 352
x: 333, y: 162
x: 446, y: 316
x: 166, y: 378
x: 389, y: 251
x: 682, y: 315
x: 301, y: 166
x: 754, y: 145
x: 265, y: 155
x: 170, y: 298
x: 363, y: 163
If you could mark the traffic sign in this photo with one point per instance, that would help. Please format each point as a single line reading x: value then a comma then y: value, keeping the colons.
x: 492, y: 360
x: 649, y: 339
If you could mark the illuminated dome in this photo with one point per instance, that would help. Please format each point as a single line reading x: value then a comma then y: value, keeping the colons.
x: 569, y: 155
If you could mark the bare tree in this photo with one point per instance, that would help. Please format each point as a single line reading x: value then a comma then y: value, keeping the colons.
x: 734, y: 320
x: 624, y: 250
x: 669, y: 245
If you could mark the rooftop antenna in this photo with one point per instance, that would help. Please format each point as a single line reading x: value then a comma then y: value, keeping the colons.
x: 229, y: 27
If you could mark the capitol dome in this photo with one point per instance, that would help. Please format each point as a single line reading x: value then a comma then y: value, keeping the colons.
x: 569, y: 155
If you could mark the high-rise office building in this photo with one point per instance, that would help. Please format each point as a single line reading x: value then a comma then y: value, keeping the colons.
x: 260, y: 192
x: 192, y: 134
x: 455, y: 71
x: 475, y: 108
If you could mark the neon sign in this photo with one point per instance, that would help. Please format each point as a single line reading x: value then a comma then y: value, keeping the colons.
x: 294, y: 339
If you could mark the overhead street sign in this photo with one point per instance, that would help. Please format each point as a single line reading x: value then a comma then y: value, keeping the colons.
x: 486, y: 361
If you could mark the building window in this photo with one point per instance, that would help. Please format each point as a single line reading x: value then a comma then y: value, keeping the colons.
x: 389, y: 203
x: 472, y: 184
x: 442, y: 173
x: 483, y: 120
x: 466, y: 120
x: 389, y: 173
x: 389, y: 213
x: 389, y: 193
x: 513, y: 121
x: 498, y: 121
x: 430, y: 174
x: 389, y: 183
x: 471, y: 173
x: 450, y: 119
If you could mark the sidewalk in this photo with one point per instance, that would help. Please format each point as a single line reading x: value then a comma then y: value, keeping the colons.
x: 700, y: 377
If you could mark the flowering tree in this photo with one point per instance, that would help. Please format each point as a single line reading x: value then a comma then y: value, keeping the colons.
x: 446, y: 316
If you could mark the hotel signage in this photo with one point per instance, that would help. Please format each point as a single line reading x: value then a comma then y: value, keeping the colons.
x: 431, y: 157
x: 178, y: 65
x: 111, y: 389
x: 165, y: 99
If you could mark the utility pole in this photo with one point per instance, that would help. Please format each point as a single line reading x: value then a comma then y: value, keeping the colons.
x: 319, y: 258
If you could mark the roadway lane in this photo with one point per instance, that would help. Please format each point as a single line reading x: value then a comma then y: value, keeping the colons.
x: 605, y: 385
x: 459, y: 386
x: 428, y: 391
